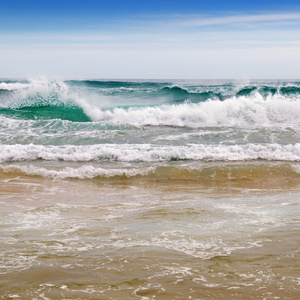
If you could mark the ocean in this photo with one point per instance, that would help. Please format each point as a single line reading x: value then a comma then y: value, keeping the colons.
x: 158, y: 189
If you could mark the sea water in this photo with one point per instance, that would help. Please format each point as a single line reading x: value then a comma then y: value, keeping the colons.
x: 149, y: 189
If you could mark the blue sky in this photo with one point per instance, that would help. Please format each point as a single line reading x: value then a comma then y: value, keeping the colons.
x: 150, y: 39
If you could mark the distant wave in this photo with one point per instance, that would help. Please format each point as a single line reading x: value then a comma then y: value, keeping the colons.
x: 178, y: 94
x: 118, y: 84
x: 266, y: 91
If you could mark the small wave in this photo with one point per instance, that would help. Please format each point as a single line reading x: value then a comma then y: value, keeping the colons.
x: 113, y: 84
x: 251, y: 173
x: 178, y: 94
x: 84, y: 172
x: 246, y: 91
x: 266, y: 91
x: 290, y: 90
x: 148, y: 153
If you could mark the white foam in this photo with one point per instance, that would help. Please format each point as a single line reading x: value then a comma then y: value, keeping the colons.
x: 13, y: 86
x: 11, y: 127
x: 177, y: 241
x: 81, y: 172
x: 242, y: 111
x: 150, y: 153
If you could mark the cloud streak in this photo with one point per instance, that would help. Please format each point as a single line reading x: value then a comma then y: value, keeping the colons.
x: 172, y: 29
x: 254, y: 18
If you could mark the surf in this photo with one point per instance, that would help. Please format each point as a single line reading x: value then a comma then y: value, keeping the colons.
x: 41, y: 99
x: 153, y: 103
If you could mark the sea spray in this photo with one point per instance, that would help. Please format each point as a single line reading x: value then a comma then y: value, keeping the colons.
x: 234, y: 108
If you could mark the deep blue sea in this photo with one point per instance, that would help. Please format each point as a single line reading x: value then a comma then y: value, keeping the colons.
x: 159, y: 189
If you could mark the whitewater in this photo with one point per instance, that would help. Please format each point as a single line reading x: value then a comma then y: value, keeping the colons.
x: 158, y: 189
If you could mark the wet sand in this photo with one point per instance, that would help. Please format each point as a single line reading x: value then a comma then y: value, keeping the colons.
x: 153, y: 239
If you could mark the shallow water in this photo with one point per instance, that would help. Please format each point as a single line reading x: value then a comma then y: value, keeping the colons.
x: 155, y: 240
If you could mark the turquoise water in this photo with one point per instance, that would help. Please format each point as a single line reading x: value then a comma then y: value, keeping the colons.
x: 149, y: 189
x: 149, y: 121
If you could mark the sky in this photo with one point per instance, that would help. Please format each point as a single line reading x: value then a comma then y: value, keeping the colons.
x: 185, y: 39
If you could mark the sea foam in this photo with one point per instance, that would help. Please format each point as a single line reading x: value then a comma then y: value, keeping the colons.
x: 149, y: 153
x: 83, y: 172
x: 242, y: 111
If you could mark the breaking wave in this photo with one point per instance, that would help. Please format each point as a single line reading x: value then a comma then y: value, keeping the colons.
x: 170, y: 105
x: 150, y: 153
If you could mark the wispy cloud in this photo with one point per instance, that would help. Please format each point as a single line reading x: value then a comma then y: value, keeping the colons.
x: 253, y: 18
x: 172, y: 29
x: 194, y: 46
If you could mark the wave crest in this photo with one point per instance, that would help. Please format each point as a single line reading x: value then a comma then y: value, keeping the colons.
x: 151, y: 103
x: 148, y: 153
x: 241, y: 111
